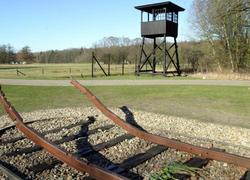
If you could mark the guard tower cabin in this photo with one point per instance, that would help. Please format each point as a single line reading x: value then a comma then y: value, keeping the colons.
x: 161, y: 21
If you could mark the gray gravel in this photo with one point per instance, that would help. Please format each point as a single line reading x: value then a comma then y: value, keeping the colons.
x: 232, y: 139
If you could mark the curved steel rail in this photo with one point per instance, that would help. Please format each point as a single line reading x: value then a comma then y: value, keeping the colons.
x: 175, y: 144
x: 60, y: 154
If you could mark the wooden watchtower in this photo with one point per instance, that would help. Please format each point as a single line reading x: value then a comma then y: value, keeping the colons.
x: 159, y: 21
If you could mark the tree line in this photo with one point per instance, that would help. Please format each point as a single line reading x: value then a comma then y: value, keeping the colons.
x: 115, y: 48
x: 8, y: 55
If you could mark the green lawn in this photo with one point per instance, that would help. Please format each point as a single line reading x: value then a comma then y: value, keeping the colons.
x: 63, y: 71
x: 224, y: 105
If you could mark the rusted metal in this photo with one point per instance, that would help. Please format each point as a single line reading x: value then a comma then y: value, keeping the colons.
x: 171, y: 143
x: 60, y: 154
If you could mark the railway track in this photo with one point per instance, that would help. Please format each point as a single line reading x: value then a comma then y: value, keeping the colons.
x: 103, y: 159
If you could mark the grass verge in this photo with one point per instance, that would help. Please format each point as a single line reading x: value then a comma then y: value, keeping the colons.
x: 217, y: 104
x: 79, y: 71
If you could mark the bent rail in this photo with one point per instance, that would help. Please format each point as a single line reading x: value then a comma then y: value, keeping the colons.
x: 175, y: 144
x: 60, y: 154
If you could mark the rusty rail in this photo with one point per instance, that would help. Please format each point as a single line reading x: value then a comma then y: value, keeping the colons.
x: 60, y: 154
x: 175, y: 144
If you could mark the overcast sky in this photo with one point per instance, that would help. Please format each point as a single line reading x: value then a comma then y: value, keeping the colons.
x: 61, y: 24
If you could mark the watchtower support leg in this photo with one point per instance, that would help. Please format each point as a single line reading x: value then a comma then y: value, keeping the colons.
x: 165, y: 57
x: 139, y: 64
x: 177, y: 58
x: 150, y: 58
x: 154, y: 56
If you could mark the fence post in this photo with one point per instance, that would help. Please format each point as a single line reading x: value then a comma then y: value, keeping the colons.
x: 70, y: 71
x: 136, y: 68
x: 17, y: 71
x: 123, y: 66
x: 42, y: 71
x: 109, y: 65
x: 98, y: 63
x: 92, y: 67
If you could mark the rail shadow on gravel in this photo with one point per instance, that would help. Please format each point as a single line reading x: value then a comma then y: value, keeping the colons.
x: 88, y: 151
x: 13, y: 170
x: 246, y: 176
x: 129, y: 117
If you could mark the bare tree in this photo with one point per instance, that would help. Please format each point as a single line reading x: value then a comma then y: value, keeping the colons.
x: 7, y: 54
x: 26, y: 55
x: 225, y: 22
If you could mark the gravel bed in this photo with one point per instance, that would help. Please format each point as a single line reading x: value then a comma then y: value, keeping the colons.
x: 61, y: 172
x: 91, y: 140
x: 16, y: 146
x: 126, y: 149
x: 232, y: 139
x: 77, y: 113
x: 3, y: 176
x: 11, y: 134
x: 215, y: 169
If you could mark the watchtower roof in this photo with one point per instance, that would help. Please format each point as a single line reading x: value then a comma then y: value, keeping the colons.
x: 171, y: 7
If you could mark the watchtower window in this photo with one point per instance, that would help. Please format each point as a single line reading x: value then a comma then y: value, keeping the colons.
x: 160, y: 14
x: 169, y: 16
x: 146, y: 17
x: 175, y: 18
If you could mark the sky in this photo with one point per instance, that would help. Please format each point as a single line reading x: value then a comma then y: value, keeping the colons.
x: 61, y: 24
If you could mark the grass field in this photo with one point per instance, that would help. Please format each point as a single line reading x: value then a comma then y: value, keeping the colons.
x: 224, y: 105
x: 63, y: 71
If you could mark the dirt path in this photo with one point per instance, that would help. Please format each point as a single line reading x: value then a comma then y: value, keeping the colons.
x: 124, y: 82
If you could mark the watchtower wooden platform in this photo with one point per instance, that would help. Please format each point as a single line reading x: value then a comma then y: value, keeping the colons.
x: 160, y: 22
